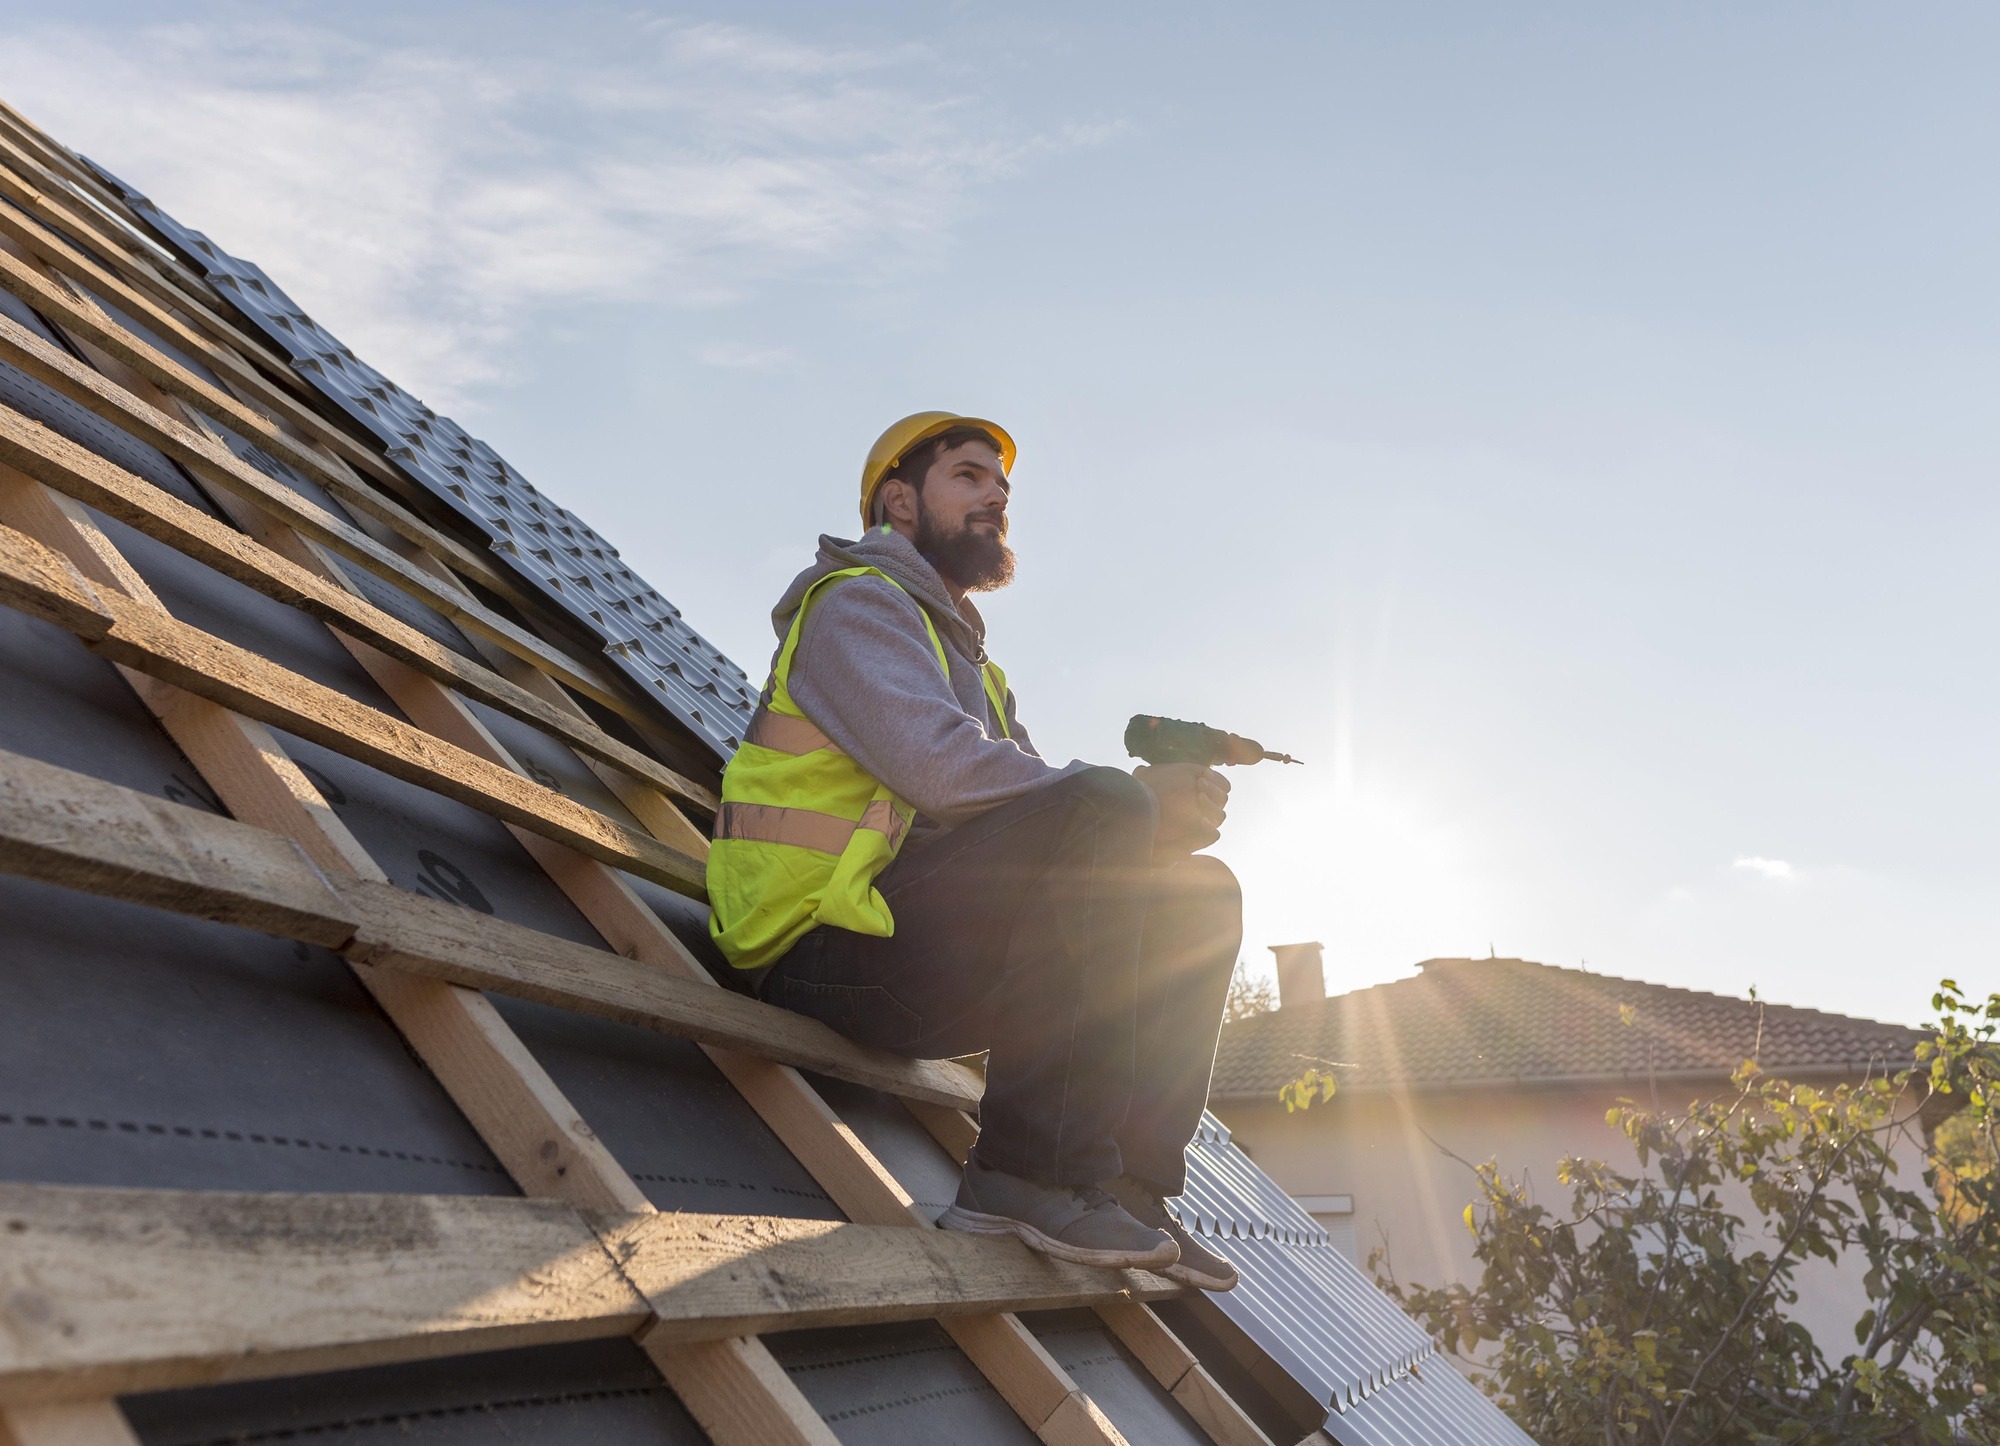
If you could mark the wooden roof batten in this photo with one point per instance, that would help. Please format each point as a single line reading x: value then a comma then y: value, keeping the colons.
x: 142, y: 1304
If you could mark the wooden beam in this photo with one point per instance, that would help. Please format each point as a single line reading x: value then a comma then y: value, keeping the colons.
x: 140, y: 637
x: 77, y: 472
x: 90, y: 202
x: 166, y: 373
x: 149, y: 299
x: 1166, y: 1358
x: 399, y: 930
x: 738, y: 1393
x: 510, y: 1100
x: 705, y: 1275
x: 107, y: 1292
x: 318, y: 448
x: 741, y: 1396
x: 79, y: 1423
x: 295, y: 400
x: 112, y: 1291
x: 140, y: 291
x: 650, y: 804
x: 80, y: 832
x: 215, y: 465
x: 733, y: 1389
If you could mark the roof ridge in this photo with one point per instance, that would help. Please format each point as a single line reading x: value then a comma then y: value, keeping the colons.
x: 1318, y: 1006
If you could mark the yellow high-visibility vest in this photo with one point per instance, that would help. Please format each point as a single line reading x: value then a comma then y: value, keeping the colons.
x: 804, y: 830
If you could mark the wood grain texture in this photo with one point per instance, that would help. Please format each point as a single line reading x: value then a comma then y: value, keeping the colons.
x: 113, y: 1291
x: 1168, y: 1361
x: 86, y: 320
x: 954, y: 1130
x: 1026, y: 1376
x: 79, y: 1423
x: 1165, y: 1357
x: 68, y: 828
x: 217, y: 466
x: 399, y: 930
x: 503, y: 1090
x: 738, y: 1394
x: 1077, y: 1421
x: 711, y: 1275
x: 546, y: 1145
x: 128, y: 287
x: 154, y: 268
x: 83, y: 475
x: 139, y: 636
x: 1218, y: 1415
x: 239, y: 757
x: 510, y: 1100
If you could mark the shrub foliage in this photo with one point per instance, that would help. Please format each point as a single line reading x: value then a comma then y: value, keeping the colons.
x: 1653, y: 1309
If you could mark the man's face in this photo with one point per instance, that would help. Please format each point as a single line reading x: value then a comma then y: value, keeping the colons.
x: 962, y: 518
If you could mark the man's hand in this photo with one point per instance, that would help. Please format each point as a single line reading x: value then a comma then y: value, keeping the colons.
x: 1192, y: 800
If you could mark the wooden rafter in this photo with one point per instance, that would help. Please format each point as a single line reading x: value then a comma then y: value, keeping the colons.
x: 216, y: 466
x: 111, y: 1291
x: 68, y: 828
x: 735, y: 1390
x: 80, y: 473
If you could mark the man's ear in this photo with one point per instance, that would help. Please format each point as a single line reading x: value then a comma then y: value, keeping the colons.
x: 899, y: 502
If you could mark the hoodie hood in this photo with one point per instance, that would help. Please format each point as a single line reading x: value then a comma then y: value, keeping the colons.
x: 961, y: 626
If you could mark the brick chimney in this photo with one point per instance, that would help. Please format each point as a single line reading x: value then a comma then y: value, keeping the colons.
x: 1301, y: 975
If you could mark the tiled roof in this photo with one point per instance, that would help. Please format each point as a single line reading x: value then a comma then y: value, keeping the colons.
x: 1462, y: 1022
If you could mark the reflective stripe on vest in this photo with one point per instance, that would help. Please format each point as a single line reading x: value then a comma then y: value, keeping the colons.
x: 804, y: 830
x: 784, y: 734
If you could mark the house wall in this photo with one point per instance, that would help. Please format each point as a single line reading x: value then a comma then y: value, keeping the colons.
x: 1389, y: 1153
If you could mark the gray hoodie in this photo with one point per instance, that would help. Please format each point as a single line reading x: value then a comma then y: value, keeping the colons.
x: 866, y: 675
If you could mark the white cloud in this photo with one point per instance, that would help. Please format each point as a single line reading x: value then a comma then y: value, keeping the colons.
x: 423, y: 204
x: 1765, y: 868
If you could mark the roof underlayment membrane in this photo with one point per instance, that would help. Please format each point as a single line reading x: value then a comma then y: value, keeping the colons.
x: 140, y: 1049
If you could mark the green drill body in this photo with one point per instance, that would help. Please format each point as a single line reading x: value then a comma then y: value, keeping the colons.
x: 1169, y: 740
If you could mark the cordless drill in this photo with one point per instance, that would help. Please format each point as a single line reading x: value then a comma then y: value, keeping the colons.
x: 1169, y: 740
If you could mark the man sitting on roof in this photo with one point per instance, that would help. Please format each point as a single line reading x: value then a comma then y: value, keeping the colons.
x: 894, y: 858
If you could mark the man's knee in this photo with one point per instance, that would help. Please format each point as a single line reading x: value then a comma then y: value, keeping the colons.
x: 1200, y: 876
x: 1112, y: 792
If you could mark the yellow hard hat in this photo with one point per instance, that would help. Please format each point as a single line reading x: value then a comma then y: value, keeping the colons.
x: 891, y: 446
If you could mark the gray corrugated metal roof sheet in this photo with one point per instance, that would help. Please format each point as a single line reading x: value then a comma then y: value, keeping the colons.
x: 1326, y: 1324
x: 580, y: 573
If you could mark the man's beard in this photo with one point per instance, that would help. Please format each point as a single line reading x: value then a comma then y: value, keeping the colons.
x: 972, y: 559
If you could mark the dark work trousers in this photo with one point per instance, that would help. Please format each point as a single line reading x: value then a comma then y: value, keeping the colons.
x: 1043, y: 932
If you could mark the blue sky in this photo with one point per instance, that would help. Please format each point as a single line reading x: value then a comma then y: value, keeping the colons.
x: 1568, y: 427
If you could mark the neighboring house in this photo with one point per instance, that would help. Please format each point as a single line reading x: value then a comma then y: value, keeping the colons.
x: 1510, y: 1060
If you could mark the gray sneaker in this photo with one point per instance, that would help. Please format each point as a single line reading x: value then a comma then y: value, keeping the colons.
x: 1070, y: 1222
x: 1198, y: 1265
